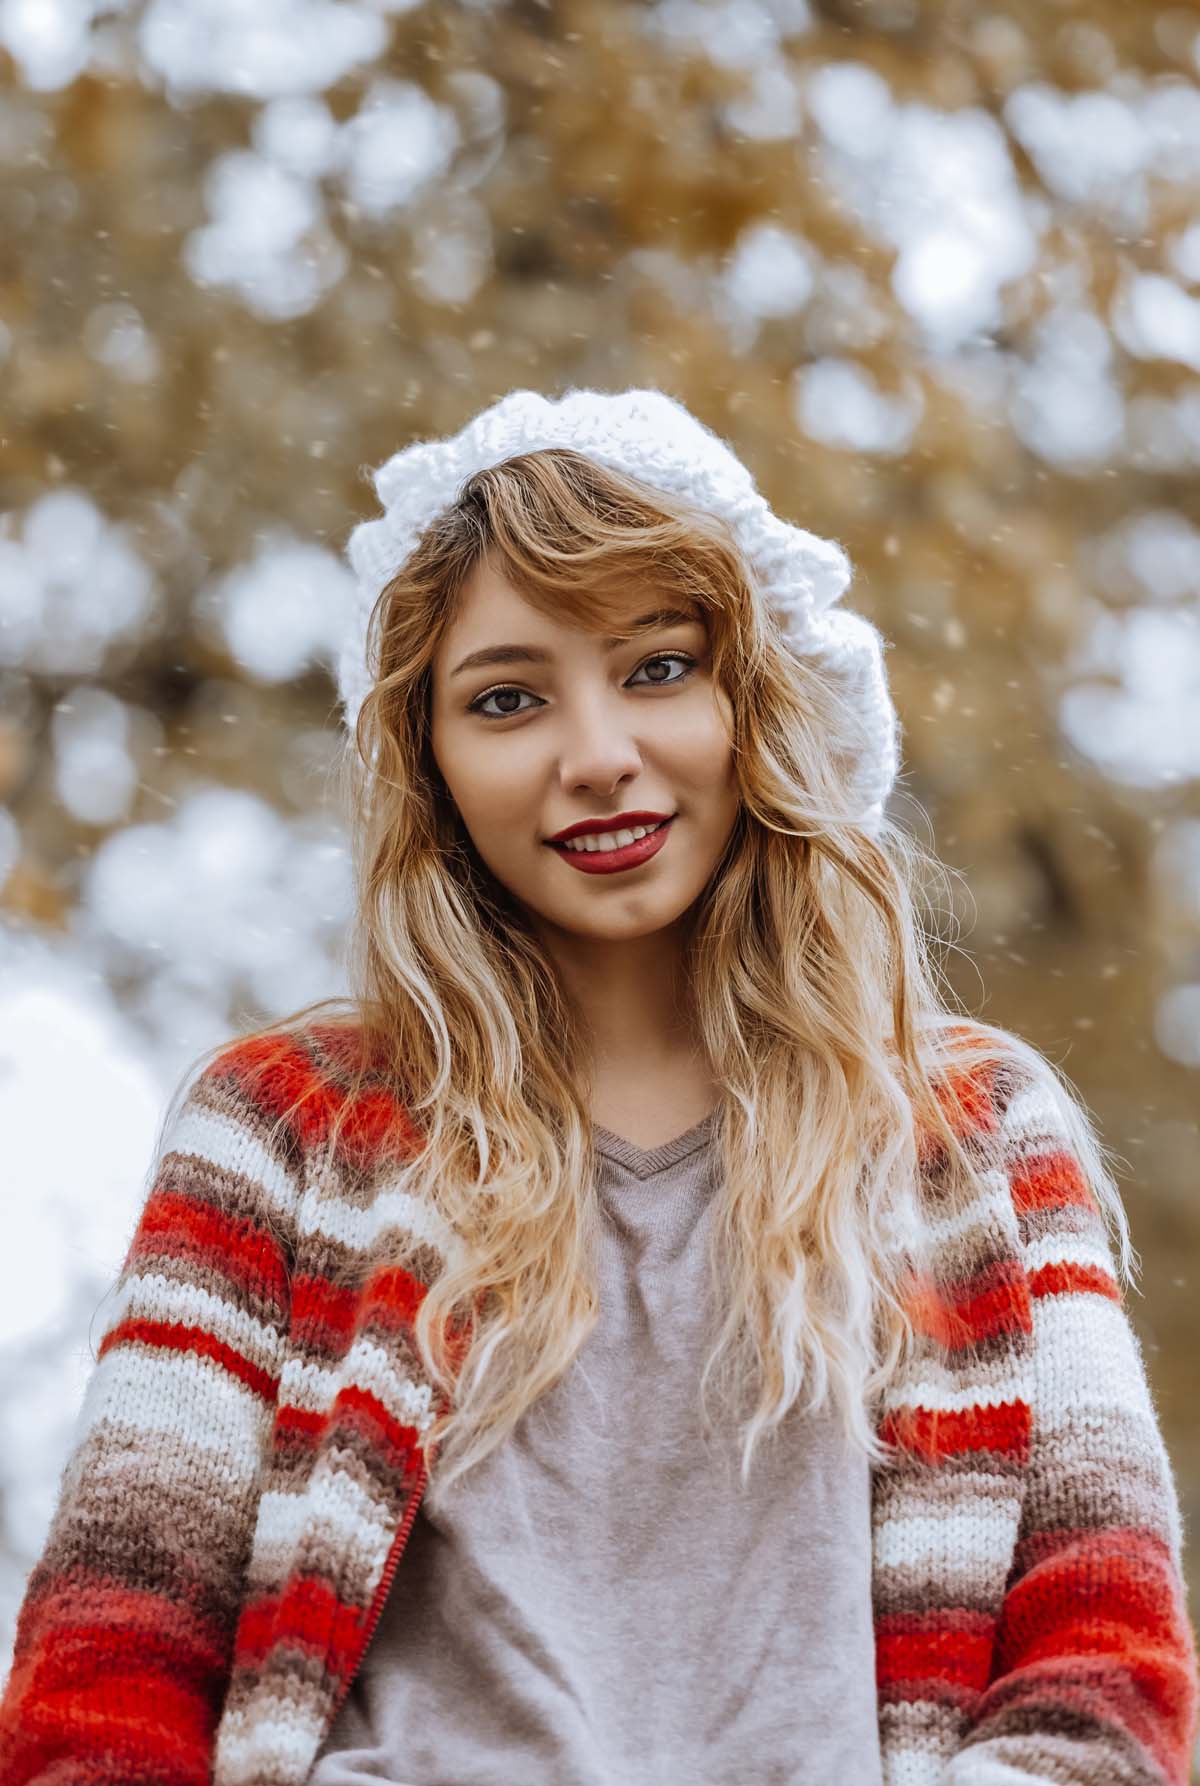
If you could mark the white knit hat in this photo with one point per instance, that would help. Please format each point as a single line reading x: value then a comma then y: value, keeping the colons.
x: 650, y: 436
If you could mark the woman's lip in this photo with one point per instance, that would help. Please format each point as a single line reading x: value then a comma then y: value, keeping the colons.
x: 632, y: 855
x: 625, y: 821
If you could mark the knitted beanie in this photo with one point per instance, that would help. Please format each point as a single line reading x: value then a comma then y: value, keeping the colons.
x: 651, y: 436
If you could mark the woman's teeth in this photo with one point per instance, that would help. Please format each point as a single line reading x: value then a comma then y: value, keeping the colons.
x: 612, y: 840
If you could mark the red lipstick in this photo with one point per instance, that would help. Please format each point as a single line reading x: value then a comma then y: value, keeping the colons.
x: 631, y: 855
x: 618, y: 822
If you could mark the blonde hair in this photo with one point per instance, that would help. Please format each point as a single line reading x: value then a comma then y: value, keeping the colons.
x: 848, y: 1080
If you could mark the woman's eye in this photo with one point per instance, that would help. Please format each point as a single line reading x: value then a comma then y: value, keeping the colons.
x: 682, y: 658
x: 687, y: 663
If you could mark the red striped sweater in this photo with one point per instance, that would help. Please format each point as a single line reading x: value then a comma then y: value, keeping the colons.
x: 249, y: 1461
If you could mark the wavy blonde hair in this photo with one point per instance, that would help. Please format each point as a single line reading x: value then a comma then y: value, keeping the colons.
x: 817, y: 1001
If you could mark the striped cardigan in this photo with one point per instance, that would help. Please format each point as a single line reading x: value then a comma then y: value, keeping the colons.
x: 249, y: 1461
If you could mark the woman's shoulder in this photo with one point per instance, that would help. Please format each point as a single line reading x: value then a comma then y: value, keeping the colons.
x: 315, y: 1084
x: 1033, y: 1137
x: 987, y: 1077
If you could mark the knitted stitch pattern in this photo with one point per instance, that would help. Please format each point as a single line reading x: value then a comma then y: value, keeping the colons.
x: 249, y: 1460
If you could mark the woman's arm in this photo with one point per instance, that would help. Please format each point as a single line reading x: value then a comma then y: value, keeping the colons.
x: 1094, y: 1674
x: 125, y: 1635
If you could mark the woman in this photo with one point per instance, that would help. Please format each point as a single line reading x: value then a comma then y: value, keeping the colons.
x: 399, y: 1460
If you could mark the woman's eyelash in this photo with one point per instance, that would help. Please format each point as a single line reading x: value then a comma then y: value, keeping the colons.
x: 683, y: 657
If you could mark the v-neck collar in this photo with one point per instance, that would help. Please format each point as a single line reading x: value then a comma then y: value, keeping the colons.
x: 643, y: 1162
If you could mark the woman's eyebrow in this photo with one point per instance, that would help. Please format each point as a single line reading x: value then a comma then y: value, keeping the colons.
x: 536, y: 654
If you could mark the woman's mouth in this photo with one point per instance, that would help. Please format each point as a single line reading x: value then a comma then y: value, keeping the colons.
x: 607, y: 859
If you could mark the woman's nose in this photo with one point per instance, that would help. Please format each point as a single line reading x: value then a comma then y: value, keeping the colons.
x: 595, y: 747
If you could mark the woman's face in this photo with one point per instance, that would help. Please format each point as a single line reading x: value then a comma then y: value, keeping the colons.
x: 583, y: 731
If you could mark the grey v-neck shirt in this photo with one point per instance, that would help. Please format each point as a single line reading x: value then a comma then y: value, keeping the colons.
x: 600, y: 1602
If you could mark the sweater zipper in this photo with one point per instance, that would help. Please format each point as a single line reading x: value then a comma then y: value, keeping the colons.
x: 381, y: 1591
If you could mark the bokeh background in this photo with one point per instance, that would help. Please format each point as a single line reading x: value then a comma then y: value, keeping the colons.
x: 933, y: 267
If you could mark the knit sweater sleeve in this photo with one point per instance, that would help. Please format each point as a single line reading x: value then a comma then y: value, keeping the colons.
x: 1094, y: 1671
x: 124, y: 1638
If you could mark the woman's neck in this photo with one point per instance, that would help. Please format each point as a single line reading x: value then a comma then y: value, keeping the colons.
x: 632, y: 996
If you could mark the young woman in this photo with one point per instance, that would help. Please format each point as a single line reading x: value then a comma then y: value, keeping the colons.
x: 400, y: 1459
